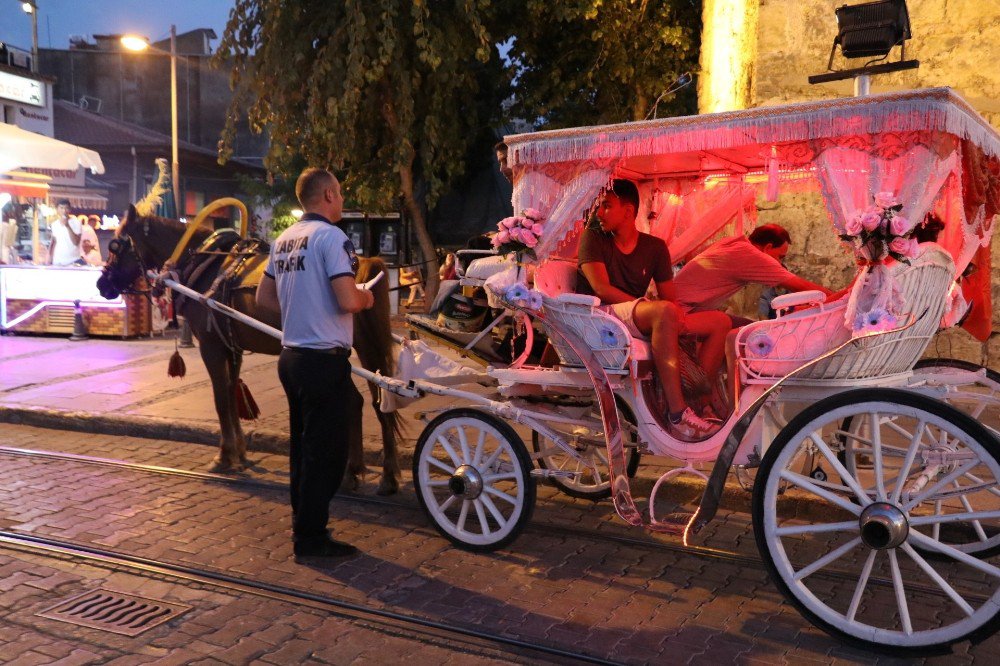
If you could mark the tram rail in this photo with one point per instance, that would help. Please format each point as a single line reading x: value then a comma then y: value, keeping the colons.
x: 702, y: 552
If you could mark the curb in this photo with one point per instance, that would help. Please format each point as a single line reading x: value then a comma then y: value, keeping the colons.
x: 263, y: 440
x: 681, y: 489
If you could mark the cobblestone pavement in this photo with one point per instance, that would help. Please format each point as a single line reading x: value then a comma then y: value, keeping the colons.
x: 628, y: 602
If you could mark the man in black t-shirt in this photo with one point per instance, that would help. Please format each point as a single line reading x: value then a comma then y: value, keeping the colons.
x: 617, y: 265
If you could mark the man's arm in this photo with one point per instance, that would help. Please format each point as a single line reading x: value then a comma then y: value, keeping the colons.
x: 73, y: 236
x: 666, y: 290
x: 267, y: 295
x: 597, y: 275
x: 795, y: 283
x: 349, y: 297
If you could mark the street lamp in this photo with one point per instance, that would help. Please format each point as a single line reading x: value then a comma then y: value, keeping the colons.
x: 135, y: 43
x: 31, y: 7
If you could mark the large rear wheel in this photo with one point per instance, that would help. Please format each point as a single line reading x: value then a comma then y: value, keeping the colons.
x: 852, y: 563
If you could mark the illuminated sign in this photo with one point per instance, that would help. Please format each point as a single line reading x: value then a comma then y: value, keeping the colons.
x: 104, y: 222
x: 22, y: 89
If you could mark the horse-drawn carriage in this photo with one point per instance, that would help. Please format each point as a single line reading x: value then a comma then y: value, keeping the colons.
x: 903, y: 463
x: 899, y: 462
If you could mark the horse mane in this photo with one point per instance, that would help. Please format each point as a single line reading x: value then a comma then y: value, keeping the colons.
x: 150, y: 230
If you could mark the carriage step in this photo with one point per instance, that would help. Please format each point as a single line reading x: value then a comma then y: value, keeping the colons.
x: 672, y: 523
x: 544, y: 473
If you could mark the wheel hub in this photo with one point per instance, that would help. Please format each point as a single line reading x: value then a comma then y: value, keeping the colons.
x: 466, y: 482
x: 883, y: 526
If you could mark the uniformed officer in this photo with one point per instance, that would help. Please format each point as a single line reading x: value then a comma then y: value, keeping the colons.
x: 310, y: 278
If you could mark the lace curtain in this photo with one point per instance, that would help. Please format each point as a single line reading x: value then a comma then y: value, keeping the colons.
x: 691, y: 214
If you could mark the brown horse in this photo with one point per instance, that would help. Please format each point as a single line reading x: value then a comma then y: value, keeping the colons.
x: 146, y: 242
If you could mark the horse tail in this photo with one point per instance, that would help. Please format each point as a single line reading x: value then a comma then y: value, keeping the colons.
x: 373, y: 329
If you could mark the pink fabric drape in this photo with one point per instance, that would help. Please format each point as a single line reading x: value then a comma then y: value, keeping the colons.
x: 691, y: 214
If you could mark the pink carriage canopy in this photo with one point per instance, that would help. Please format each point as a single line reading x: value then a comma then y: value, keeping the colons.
x: 698, y: 176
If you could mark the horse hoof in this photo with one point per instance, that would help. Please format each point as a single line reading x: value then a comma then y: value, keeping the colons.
x: 387, y: 487
x: 220, y: 466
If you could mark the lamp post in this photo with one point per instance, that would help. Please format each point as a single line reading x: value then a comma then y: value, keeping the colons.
x: 31, y: 7
x: 134, y: 43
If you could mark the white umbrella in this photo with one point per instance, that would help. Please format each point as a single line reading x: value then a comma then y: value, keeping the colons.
x: 21, y: 148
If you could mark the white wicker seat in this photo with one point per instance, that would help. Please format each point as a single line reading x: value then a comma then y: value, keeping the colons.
x: 771, y: 349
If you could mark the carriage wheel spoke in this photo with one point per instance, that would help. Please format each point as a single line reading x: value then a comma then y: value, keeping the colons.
x: 806, y: 483
x: 936, y: 528
x: 936, y: 577
x: 438, y: 484
x: 464, y: 444
x: 440, y: 465
x: 859, y: 590
x: 897, y: 584
x: 501, y: 495
x: 506, y: 476
x: 494, y: 511
x: 976, y: 525
x: 481, y: 514
x: 443, y: 506
x: 832, y: 556
x: 877, y: 457
x: 954, y: 517
x: 953, y: 553
x: 493, y: 458
x: 991, y: 487
x: 463, y: 515
x: 478, y: 455
x: 911, y: 453
x: 845, y: 476
x: 818, y: 528
x: 446, y: 445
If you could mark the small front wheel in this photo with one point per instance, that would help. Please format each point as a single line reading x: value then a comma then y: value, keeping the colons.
x: 473, y: 479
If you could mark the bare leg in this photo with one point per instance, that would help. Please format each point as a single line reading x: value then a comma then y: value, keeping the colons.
x: 661, y: 320
x: 711, y: 328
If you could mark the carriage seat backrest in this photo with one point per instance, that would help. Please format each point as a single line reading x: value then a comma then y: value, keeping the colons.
x: 771, y: 349
x: 556, y: 277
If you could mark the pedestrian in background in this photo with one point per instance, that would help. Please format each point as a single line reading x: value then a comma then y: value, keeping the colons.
x: 310, y: 280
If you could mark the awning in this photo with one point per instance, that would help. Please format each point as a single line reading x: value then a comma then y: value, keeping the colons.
x: 21, y: 148
x: 79, y: 198
x: 23, y: 188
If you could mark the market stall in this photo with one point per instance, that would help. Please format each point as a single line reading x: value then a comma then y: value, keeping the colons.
x: 39, y: 298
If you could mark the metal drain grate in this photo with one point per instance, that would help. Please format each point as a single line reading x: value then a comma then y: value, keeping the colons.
x: 114, y: 611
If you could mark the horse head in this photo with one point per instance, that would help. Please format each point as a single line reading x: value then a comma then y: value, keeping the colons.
x: 126, y: 262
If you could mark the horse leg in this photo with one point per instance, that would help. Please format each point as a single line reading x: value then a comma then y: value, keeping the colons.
x: 389, y: 484
x: 356, y: 468
x: 218, y: 362
x: 241, y: 440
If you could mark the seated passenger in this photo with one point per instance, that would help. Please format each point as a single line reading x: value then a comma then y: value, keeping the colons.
x: 708, y: 280
x: 617, y: 265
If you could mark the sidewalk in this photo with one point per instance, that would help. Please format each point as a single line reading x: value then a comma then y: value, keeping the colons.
x: 114, y: 386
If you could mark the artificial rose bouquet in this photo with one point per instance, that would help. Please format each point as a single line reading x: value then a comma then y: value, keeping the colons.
x: 519, y: 234
x: 880, y: 232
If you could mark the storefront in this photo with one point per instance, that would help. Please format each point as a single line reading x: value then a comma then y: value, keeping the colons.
x: 35, y: 171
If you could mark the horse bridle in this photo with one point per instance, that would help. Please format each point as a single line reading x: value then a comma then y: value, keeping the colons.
x: 118, y: 247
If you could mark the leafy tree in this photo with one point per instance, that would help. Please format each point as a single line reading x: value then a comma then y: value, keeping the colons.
x: 389, y: 91
x: 588, y: 62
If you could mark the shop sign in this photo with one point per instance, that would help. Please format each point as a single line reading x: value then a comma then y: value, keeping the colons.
x: 22, y: 89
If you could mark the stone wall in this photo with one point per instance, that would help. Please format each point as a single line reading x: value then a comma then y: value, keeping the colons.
x: 957, y: 43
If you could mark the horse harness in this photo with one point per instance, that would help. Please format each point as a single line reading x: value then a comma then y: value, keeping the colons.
x: 232, y: 256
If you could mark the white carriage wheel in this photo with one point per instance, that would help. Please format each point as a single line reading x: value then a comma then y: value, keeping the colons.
x: 978, y: 399
x: 871, y: 586
x: 592, y: 482
x: 473, y: 479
